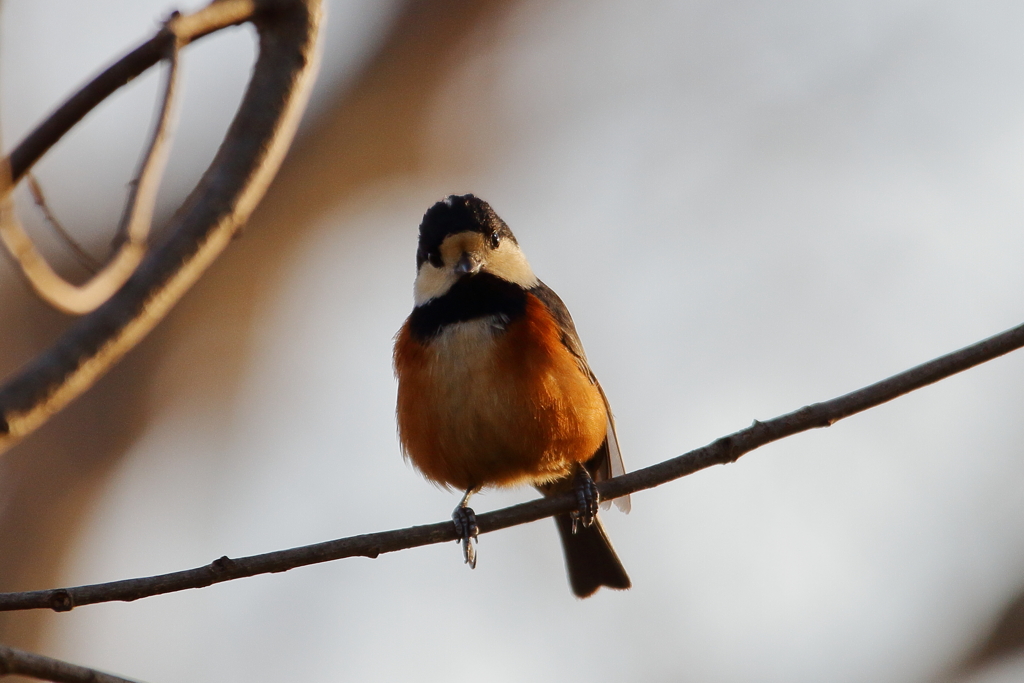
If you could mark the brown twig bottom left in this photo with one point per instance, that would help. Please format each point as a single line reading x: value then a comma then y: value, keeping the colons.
x: 19, y: 662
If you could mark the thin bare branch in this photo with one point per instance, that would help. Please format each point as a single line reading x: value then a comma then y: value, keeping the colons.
x: 84, y: 258
x: 722, y: 451
x: 85, y: 298
x: 234, y: 183
x: 218, y: 15
x: 133, y: 232
x: 20, y: 663
x: 138, y: 215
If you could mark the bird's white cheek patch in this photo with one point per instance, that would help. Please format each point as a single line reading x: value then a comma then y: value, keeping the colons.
x: 509, y: 263
x: 431, y: 283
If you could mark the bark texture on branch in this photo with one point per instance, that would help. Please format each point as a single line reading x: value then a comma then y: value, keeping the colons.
x: 722, y: 451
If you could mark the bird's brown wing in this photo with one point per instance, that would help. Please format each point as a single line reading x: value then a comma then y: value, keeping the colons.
x: 607, y: 461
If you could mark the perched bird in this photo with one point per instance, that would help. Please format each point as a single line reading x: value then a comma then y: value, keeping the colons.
x: 494, y: 388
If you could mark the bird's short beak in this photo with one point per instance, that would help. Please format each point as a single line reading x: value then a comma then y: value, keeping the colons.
x: 468, y: 264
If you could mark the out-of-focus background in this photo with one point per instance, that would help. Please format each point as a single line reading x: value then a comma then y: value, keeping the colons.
x: 747, y: 207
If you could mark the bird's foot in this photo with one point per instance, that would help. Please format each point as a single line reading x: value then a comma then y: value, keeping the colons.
x: 467, y: 532
x: 587, y: 499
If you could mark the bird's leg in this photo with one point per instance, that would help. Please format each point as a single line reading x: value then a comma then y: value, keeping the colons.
x: 587, y: 498
x: 465, y: 528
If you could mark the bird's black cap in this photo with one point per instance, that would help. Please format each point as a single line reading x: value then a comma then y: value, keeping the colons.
x: 452, y: 215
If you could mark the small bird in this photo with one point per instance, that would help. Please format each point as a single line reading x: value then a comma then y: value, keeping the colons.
x: 494, y: 388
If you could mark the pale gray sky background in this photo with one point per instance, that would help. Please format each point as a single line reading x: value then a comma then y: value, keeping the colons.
x: 746, y: 206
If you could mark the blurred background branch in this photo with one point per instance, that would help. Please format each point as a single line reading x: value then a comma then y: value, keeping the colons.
x: 14, y: 662
x: 235, y: 182
x: 133, y: 233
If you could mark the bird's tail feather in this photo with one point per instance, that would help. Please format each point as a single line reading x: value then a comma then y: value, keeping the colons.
x: 590, y: 560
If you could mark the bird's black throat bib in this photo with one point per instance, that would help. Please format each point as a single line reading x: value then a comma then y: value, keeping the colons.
x: 472, y: 297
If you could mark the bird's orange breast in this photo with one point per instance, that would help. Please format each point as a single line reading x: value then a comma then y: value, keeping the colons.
x: 481, y: 405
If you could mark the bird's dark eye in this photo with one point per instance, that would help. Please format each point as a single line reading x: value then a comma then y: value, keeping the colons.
x: 495, y: 239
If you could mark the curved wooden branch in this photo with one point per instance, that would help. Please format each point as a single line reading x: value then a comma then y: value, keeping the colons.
x: 81, y: 299
x: 20, y: 663
x: 234, y: 183
x: 725, y: 450
x: 218, y: 15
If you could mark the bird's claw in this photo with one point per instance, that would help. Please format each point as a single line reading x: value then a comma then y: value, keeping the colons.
x: 587, y: 499
x: 467, y: 532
